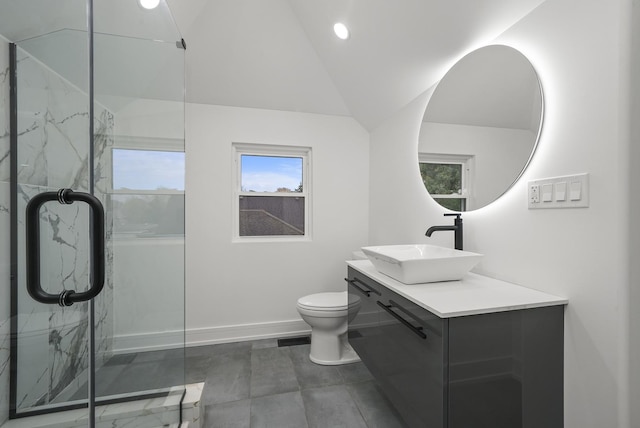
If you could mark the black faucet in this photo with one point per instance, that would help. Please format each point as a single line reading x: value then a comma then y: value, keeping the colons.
x: 457, y: 229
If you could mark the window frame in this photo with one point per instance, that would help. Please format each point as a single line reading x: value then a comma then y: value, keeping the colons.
x: 467, y: 163
x: 144, y: 144
x: 273, y: 150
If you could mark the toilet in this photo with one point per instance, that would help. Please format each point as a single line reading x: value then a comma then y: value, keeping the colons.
x: 328, y: 315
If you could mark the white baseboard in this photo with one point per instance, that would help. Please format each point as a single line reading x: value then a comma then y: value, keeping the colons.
x: 141, y: 342
x: 244, y: 332
x: 208, y: 336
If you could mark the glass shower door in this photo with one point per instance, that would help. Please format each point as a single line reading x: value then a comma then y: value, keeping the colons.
x: 139, y: 79
x: 120, y: 139
x: 50, y: 356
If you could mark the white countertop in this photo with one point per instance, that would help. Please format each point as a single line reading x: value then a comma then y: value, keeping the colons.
x: 472, y: 295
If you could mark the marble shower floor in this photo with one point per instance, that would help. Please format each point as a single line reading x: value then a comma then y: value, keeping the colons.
x: 257, y: 384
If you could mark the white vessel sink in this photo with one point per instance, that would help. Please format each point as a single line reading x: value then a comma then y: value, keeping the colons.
x: 417, y: 263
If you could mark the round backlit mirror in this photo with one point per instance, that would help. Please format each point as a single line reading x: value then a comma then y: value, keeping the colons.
x: 480, y: 128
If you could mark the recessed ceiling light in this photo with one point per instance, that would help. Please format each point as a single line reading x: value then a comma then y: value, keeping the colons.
x: 149, y: 4
x: 341, y: 31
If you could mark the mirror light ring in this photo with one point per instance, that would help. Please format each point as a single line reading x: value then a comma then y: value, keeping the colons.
x: 468, y: 78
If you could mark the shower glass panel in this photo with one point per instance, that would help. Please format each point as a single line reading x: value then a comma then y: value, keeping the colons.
x: 70, y: 134
x: 139, y: 77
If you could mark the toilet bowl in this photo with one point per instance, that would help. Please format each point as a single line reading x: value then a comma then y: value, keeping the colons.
x: 328, y: 315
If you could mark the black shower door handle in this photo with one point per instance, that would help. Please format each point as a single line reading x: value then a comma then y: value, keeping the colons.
x: 96, y: 262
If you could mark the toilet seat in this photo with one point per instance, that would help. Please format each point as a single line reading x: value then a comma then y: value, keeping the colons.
x: 333, y: 301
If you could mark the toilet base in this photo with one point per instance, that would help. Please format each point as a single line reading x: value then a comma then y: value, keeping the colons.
x: 348, y: 356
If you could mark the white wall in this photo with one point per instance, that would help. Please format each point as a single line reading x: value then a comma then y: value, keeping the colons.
x: 148, y: 273
x: 579, y: 50
x: 237, y: 290
x: 148, y: 118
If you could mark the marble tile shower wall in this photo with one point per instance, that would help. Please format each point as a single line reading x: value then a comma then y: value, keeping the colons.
x: 53, y: 153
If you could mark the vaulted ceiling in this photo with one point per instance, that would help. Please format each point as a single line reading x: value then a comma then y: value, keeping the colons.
x: 282, y: 54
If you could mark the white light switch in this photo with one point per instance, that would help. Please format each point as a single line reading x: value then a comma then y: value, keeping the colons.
x: 547, y: 192
x: 575, y: 192
x: 561, y: 191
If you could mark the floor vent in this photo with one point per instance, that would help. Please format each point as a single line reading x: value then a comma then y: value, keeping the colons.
x: 293, y: 341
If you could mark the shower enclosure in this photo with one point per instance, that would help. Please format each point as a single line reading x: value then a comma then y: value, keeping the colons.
x: 96, y: 107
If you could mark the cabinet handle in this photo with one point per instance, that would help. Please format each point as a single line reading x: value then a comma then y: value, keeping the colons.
x: 369, y: 290
x: 413, y: 328
x: 352, y: 283
x: 405, y: 311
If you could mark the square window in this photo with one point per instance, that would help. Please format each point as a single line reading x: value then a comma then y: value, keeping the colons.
x: 148, y: 192
x: 272, y: 192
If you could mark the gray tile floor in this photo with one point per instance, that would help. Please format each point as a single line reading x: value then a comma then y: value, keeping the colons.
x: 257, y: 384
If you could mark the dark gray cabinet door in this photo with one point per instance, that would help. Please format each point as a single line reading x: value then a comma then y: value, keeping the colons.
x: 505, y: 369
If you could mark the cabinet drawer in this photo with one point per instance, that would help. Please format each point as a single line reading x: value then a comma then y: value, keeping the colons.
x: 364, y: 318
x: 414, y: 365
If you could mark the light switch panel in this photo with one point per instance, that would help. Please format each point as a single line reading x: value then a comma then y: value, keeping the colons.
x: 570, y: 191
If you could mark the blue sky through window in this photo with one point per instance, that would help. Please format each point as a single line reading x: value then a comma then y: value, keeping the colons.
x: 270, y: 173
x: 148, y: 169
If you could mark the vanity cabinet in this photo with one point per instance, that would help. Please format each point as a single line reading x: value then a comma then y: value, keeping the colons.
x: 499, y: 370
